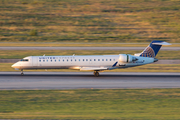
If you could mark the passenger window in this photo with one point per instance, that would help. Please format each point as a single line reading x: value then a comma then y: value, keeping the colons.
x: 67, y: 60
x: 90, y: 60
x: 63, y: 60
x: 114, y: 59
x: 59, y: 60
x: 71, y: 59
x: 46, y: 60
x: 106, y: 59
x: 102, y: 59
x: 79, y: 60
x: 83, y: 59
x: 94, y: 59
x: 75, y: 60
x: 43, y: 60
x: 51, y: 60
x: 86, y: 59
x: 39, y: 60
x: 109, y: 59
x: 98, y: 59
x: 55, y: 60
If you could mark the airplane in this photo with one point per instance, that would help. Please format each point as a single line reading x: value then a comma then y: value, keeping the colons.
x: 96, y: 63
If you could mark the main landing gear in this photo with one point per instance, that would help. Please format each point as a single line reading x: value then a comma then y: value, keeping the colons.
x: 96, y: 73
x: 22, y: 72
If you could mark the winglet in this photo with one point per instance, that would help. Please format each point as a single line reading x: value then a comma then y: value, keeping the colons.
x: 114, y: 64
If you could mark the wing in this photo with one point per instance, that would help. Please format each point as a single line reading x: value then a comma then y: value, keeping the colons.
x: 99, y: 68
x: 93, y: 68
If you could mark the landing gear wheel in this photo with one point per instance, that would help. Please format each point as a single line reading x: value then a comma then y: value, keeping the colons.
x: 22, y: 72
x: 96, y: 73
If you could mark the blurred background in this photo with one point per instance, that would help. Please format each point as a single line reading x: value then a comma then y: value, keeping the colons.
x: 119, y: 21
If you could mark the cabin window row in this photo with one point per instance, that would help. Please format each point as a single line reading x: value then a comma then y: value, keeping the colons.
x: 77, y: 60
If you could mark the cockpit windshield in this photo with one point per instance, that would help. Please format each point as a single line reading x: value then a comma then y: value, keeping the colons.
x: 24, y: 60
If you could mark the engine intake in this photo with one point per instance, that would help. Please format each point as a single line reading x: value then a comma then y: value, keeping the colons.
x: 125, y: 58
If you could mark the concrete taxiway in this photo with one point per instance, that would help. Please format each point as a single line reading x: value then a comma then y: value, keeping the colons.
x: 80, y: 80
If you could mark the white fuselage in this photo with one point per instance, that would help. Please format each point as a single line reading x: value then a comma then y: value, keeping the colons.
x: 86, y: 62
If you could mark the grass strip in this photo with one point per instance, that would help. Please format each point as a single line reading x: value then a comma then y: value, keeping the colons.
x: 91, y: 104
x: 98, y: 44
x: 89, y: 21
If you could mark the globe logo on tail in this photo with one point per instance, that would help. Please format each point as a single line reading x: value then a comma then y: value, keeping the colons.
x: 148, y: 52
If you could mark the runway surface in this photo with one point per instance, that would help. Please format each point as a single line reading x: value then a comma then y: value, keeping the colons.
x: 84, y: 48
x: 80, y: 80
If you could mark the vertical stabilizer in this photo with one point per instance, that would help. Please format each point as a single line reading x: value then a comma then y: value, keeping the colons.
x: 153, y: 49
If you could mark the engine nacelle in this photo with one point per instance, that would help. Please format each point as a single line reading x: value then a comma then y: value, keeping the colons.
x: 125, y: 58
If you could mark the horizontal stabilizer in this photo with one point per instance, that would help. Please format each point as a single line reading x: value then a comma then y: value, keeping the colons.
x: 161, y: 43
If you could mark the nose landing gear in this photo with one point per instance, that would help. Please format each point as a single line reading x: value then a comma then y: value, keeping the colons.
x: 96, y: 73
x: 22, y: 72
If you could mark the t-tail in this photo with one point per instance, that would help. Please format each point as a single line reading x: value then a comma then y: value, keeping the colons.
x: 152, y: 49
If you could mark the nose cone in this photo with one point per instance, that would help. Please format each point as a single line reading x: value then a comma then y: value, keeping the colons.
x: 15, y: 65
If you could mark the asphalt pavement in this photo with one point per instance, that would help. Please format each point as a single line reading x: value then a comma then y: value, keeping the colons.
x: 86, y: 80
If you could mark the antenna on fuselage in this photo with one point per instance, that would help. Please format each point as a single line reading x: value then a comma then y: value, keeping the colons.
x: 73, y: 54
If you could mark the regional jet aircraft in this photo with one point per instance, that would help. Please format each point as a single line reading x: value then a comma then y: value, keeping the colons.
x: 94, y: 63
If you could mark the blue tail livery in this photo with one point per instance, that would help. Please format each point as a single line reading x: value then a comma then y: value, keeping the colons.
x: 153, y: 49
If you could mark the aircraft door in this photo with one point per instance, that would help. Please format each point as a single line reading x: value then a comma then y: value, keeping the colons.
x: 35, y: 61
